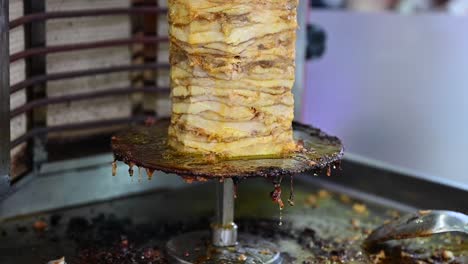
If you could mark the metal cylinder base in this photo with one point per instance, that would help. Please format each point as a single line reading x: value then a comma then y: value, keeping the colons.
x: 196, y: 247
x: 224, y: 236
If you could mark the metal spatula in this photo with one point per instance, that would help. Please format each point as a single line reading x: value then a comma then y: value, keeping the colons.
x: 421, y: 224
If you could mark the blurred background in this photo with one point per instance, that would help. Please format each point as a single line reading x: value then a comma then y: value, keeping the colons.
x: 393, y: 84
x: 401, y: 6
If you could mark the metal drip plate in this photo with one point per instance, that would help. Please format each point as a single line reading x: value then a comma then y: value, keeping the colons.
x: 146, y: 146
x: 195, y: 247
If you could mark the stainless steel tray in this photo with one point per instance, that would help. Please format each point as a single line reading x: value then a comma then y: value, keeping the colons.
x: 327, y: 223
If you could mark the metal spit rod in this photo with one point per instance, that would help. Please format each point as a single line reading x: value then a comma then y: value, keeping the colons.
x: 224, y: 230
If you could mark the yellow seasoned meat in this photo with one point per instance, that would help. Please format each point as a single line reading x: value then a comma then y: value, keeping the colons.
x: 232, y: 71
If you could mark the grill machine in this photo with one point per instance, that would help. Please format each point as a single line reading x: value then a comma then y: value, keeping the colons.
x: 146, y: 147
x: 52, y: 63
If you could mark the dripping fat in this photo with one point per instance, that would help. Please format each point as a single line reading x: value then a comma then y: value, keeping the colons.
x: 130, y: 169
x: 150, y: 173
x: 235, y: 180
x: 114, y: 168
x: 291, y: 194
x: 276, y: 195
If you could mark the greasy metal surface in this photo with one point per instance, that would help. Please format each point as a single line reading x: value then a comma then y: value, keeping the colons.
x: 323, y: 227
x: 192, y: 248
x: 4, y: 99
x: 420, y: 224
x: 402, y: 188
x: 146, y: 147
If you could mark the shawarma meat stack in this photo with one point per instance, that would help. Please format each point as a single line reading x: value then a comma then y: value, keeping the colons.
x: 232, y: 71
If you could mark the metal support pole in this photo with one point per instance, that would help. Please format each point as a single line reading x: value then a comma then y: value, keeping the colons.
x: 4, y: 99
x: 192, y: 247
x: 301, y: 44
x: 224, y: 230
x: 36, y: 65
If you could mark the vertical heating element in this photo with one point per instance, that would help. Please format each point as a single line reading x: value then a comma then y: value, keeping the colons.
x: 4, y: 99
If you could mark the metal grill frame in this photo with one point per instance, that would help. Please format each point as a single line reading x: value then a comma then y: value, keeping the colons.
x: 33, y: 20
x: 35, y: 52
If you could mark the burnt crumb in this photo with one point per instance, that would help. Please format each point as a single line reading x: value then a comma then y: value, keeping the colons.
x: 4, y: 233
x: 40, y: 226
x: 77, y: 224
x: 324, y: 249
x: 128, y: 254
x: 340, y: 253
x: 77, y: 227
x: 55, y: 220
x: 106, y: 238
x: 54, y: 239
x: 306, y: 236
x: 21, y: 229
x: 287, y: 258
x: 389, y: 253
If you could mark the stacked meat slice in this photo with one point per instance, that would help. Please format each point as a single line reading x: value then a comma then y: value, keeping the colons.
x: 232, y: 71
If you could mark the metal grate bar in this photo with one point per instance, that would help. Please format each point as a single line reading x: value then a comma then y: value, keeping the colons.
x: 81, y: 73
x: 85, y: 13
x: 78, y: 126
x: 83, y: 46
x: 84, y: 96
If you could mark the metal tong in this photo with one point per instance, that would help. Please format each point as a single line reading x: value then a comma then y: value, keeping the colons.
x: 420, y: 224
